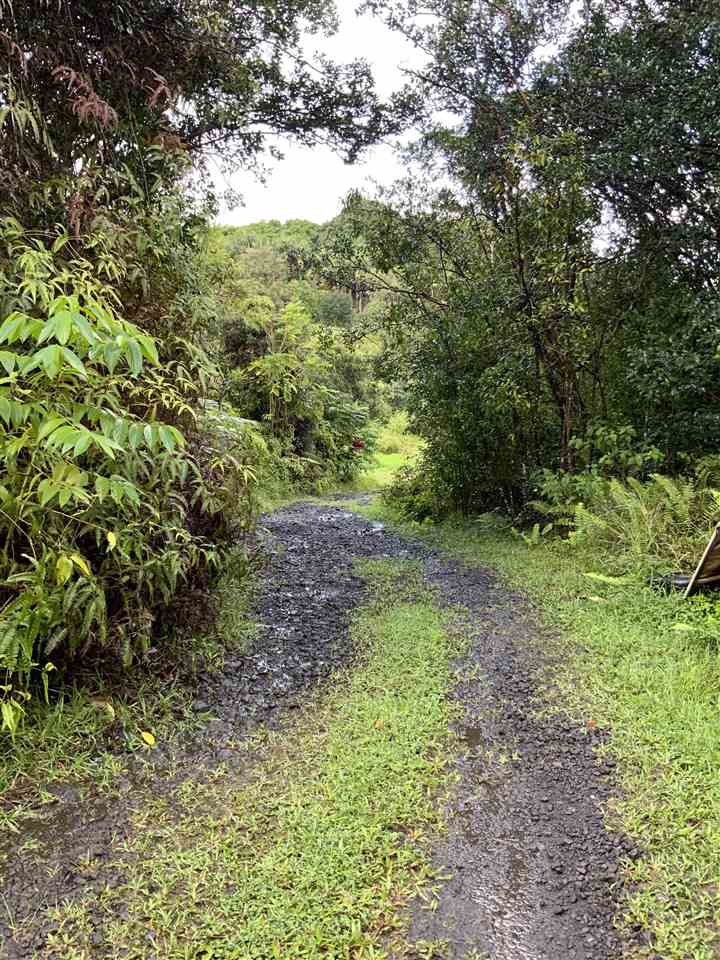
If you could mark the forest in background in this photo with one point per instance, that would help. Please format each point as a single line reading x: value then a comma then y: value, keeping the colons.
x: 551, y: 275
x: 540, y: 293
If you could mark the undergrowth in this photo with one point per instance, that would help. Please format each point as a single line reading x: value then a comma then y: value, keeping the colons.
x: 314, y: 848
x: 646, y: 665
x: 96, y: 721
x: 395, y: 448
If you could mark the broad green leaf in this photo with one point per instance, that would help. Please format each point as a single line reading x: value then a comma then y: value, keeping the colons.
x: 8, y: 360
x: 47, y: 426
x: 47, y: 331
x: 66, y: 435
x: 147, y: 345
x: 63, y: 326
x: 166, y: 437
x: 84, y: 328
x: 82, y: 444
x: 47, y: 490
x: 63, y: 569
x: 135, y: 356
x: 135, y: 435
x: 51, y: 359
x: 11, y: 328
x: 74, y: 360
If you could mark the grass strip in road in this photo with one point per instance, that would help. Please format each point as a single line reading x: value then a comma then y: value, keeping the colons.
x: 313, y: 851
x: 647, y: 666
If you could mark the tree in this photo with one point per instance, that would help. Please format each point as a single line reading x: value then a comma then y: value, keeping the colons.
x: 89, y: 87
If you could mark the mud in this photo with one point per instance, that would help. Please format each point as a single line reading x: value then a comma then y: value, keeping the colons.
x: 533, y: 872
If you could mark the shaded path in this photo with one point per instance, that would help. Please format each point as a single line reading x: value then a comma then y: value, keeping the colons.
x: 533, y: 870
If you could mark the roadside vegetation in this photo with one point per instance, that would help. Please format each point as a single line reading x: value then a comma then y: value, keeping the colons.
x: 644, y: 665
x: 519, y: 343
x: 313, y: 844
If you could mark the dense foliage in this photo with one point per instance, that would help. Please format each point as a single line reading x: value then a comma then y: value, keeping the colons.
x: 553, y: 300
x: 127, y: 331
x: 540, y: 293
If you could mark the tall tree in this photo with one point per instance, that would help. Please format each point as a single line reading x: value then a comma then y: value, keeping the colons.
x: 87, y: 84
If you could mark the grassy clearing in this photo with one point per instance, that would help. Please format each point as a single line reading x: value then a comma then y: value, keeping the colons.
x: 379, y: 474
x: 315, y: 848
x: 644, y: 664
x: 395, y: 448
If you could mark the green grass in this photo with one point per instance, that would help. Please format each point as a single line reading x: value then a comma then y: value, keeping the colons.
x: 395, y: 448
x: 646, y: 665
x: 315, y: 847
x: 379, y: 474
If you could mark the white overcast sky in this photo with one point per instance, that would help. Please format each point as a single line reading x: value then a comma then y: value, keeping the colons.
x: 311, y: 182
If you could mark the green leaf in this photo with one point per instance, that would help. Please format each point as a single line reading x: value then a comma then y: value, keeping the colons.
x: 135, y: 356
x: 63, y: 326
x: 47, y: 490
x: 63, y: 435
x: 47, y: 331
x: 8, y: 360
x: 47, y: 426
x: 604, y: 578
x: 51, y: 360
x: 74, y: 361
x: 82, y: 444
x: 147, y: 345
x: 135, y: 435
x: 11, y: 327
x: 166, y: 438
x: 63, y: 569
x: 107, y: 446
x: 84, y: 328
x: 81, y: 563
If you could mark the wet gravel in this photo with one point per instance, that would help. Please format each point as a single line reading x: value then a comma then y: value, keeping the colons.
x: 533, y: 873
x: 303, y: 610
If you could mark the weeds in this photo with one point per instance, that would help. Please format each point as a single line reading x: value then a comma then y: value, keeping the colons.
x: 647, y: 667
x: 314, y: 849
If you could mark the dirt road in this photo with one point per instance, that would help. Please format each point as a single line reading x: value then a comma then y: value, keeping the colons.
x: 532, y: 872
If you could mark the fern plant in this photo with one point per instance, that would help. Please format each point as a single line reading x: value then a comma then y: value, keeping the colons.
x: 663, y: 521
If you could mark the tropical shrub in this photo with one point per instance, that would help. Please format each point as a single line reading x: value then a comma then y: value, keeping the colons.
x: 106, y: 504
x: 285, y: 372
x: 657, y: 523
